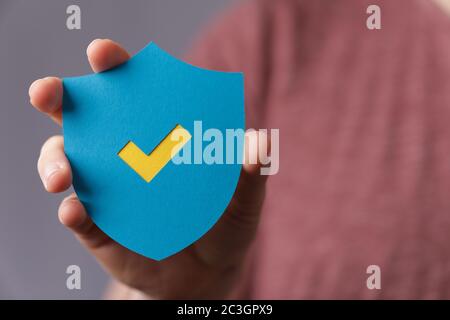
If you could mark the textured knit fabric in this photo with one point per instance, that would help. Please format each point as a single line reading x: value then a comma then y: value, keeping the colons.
x: 364, y: 119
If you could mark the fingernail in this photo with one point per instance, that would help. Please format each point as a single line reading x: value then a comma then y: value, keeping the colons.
x: 50, y: 171
x: 50, y: 102
x: 32, y: 87
x: 91, y: 44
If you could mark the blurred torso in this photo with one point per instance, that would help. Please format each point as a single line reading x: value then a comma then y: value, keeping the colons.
x: 364, y: 144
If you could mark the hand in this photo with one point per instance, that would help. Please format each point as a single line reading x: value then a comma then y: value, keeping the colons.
x: 207, y: 269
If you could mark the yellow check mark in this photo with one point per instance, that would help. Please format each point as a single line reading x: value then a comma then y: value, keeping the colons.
x: 148, y: 166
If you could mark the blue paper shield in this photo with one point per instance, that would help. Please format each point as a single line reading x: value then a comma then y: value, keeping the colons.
x: 142, y: 101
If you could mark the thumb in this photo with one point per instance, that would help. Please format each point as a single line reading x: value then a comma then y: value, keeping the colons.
x: 228, y: 241
x: 249, y: 195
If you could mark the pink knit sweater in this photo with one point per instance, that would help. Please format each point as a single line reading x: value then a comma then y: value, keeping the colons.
x: 364, y: 119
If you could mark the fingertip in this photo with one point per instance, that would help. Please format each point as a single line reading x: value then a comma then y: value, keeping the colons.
x: 57, y: 178
x: 256, y: 144
x: 92, y: 46
x: 53, y: 166
x: 104, y: 54
x: 46, y: 94
x: 71, y: 212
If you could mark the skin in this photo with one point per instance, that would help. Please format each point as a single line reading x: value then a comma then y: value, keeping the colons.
x: 207, y: 269
x: 444, y: 5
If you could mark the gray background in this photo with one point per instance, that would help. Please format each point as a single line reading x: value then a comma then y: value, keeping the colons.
x: 34, y: 248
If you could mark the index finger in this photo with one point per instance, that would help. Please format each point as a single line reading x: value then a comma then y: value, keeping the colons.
x: 46, y: 94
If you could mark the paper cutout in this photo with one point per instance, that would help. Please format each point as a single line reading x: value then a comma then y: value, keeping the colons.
x: 141, y: 101
x: 148, y: 166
